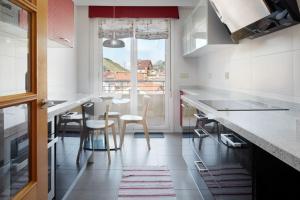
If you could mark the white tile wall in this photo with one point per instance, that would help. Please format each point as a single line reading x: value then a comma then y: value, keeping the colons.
x: 62, y: 69
x: 13, y: 65
x: 267, y: 66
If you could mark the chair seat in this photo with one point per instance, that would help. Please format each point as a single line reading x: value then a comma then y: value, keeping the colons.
x: 131, y: 118
x: 98, y: 124
x: 75, y: 116
x: 114, y: 113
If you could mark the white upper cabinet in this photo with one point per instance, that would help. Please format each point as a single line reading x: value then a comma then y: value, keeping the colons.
x: 203, y: 31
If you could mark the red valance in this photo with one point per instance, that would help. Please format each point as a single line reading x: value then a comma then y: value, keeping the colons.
x: 133, y: 12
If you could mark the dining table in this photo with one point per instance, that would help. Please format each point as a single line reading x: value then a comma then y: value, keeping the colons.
x: 100, y: 143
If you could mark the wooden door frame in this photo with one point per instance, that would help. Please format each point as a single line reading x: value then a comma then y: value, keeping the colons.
x: 37, y: 188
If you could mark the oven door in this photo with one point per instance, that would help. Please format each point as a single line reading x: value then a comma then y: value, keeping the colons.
x: 51, y: 168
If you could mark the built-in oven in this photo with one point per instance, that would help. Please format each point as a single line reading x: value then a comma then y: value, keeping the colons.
x: 52, y: 140
x: 223, y: 161
x: 19, y: 153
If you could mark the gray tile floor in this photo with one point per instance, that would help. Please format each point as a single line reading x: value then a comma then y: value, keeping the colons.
x: 101, y: 181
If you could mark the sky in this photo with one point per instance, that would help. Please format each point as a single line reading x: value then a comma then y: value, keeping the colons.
x: 147, y: 50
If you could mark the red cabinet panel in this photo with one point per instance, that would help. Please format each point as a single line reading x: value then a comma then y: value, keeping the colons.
x: 61, y: 21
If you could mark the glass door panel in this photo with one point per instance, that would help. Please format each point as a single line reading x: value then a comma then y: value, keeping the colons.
x: 14, y: 150
x: 151, y: 79
x: 14, y: 48
x: 14, y: 79
x: 134, y: 71
x: 116, y: 78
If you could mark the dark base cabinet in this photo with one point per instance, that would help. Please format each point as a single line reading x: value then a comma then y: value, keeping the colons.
x: 241, y: 173
x: 221, y: 172
x: 274, y: 179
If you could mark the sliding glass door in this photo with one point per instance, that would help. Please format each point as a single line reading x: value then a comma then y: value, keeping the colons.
x: 141, y: 68
x: 117, y: 74
x: 151, y: 79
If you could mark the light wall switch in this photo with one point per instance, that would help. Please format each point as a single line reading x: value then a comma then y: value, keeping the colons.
x: 210, y: 75
x: 227, y: 76
x: 184, y: 75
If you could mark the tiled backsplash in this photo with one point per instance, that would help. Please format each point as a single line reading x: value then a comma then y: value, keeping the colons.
x: 268, y: 66
x: 13, y: 65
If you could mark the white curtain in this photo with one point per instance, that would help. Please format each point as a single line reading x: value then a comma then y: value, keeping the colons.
x: 123, y: 28
x: 150, y: 29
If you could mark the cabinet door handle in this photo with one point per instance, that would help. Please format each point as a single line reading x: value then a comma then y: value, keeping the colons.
x: 200, y: 166
x: 201, y: 135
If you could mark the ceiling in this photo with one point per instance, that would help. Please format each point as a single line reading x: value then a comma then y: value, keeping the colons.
x: 185, y: 3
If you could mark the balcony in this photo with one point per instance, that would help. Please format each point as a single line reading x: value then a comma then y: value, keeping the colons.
x: 153, y: 88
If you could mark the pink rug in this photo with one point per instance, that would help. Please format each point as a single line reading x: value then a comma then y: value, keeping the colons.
x: 146, y: 183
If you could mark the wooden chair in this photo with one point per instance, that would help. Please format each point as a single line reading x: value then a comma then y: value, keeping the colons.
x: 113, y: 115
x: 91, y: 125
x: 136, y: 119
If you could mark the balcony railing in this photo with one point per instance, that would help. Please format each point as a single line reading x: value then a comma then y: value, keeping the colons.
x: 143, y: 87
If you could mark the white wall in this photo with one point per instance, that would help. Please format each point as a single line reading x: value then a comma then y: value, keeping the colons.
x: 82, y: 24
x: 268, y: 66
x: 62, y: 72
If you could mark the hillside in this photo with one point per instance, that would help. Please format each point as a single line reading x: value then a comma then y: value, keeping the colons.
x: 110, y: 65
x: 159, y: 65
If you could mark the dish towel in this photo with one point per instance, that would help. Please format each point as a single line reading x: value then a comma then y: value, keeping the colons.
x: 146, y: 183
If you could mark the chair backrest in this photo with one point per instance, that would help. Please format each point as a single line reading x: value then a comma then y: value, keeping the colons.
x: 87, y: 111
x: 146, y: 103
x: 106, y: 116
x: 100, y: 106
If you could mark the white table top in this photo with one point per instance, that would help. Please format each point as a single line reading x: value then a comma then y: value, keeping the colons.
x: 120, y: 101
x: 71, y: 102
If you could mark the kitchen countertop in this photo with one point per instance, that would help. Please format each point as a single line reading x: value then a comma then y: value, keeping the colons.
x: 72, y: 101
x: 277, y: 132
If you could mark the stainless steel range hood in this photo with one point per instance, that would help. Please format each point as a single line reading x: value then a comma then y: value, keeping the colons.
x: 255, y: 18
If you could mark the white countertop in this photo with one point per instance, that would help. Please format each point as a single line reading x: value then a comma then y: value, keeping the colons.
x: 72, y: 101
x: 277, y: 132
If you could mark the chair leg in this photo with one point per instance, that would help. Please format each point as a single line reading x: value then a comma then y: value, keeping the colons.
x: 107, y: 144
x: 119, y: 126
x: 82, y: 138
x: 63, y: 131
x: 146, y: 132
x: 93, y: 146
x: 114, y: 135
x: 123, y: 134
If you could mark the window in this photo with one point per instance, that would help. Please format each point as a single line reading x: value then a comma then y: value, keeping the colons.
x: 139, y: 69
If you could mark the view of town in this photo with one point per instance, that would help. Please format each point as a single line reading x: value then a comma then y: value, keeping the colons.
x: 151, y: 77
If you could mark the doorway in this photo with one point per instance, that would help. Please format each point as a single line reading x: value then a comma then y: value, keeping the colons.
x: 141, y: 68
